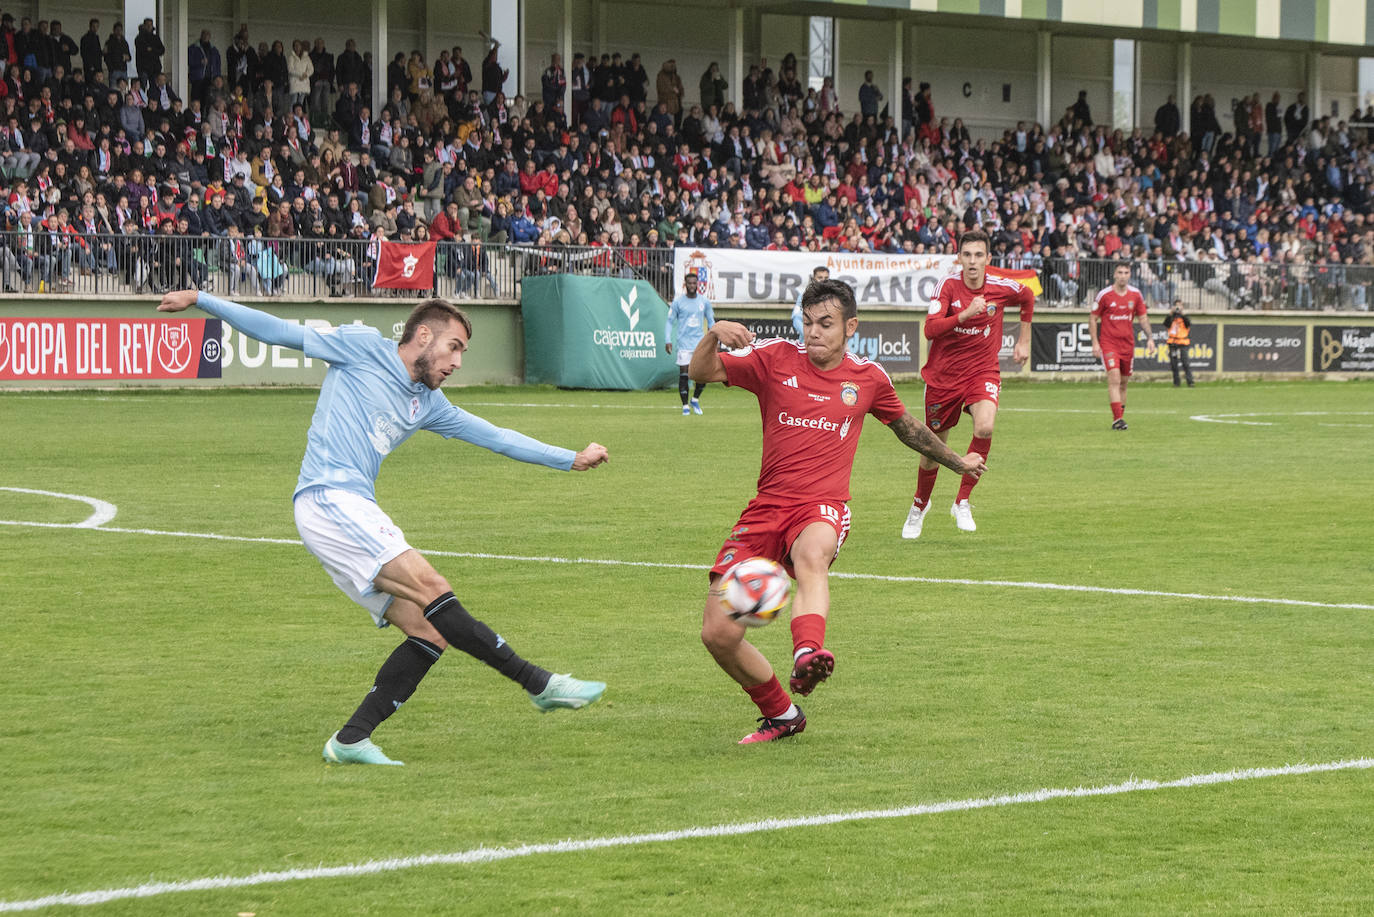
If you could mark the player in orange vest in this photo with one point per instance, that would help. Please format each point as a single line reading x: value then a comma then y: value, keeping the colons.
x: 1178, y: 342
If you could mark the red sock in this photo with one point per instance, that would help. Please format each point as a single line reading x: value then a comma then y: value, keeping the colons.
x: 981, y: 445
x: 1117, y: 410
x: 925, y: 483
x: 808, y: 630
x: 771, y: 699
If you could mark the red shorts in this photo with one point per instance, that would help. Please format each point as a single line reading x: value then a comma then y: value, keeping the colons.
x: 1116, y: 359
x: 943, y: 405
x: 769, y: 529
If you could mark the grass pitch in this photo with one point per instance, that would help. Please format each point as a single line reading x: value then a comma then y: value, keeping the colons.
x: 165, y: 697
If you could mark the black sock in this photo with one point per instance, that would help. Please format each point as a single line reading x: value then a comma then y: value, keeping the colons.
x: 396, y: 681
x: 700, y: 387
x: 682, y: 385
x: 466, y: 633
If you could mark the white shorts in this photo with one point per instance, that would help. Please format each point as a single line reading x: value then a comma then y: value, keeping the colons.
x: 352, y: 538
x: 684, y: 357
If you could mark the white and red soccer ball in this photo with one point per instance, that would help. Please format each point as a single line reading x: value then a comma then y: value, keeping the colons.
x: 755, y: 591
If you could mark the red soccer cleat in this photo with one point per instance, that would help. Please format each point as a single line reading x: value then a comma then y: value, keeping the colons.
x: 811, y: 668
x: 771, y: 728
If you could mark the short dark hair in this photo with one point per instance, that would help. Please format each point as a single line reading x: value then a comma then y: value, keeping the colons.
x: 432, y: 313
x: 818, y: 268
x: 818, y: 291
x: 974, y: 235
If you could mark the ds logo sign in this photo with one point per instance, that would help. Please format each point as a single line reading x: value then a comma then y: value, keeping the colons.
x: 1073, y: 341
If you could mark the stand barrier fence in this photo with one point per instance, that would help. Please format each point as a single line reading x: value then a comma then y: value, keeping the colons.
x: 88, y: 265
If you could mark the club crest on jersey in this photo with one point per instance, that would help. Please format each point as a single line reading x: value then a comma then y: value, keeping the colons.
x: 992, y: 309
x: 414, y: 407
x: 849, y: 393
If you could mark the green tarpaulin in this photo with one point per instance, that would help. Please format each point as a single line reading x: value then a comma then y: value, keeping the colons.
x: 594, y: 332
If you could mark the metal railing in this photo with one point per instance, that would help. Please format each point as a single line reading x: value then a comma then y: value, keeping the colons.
x: 1211, y: 286
x: 97, y: 265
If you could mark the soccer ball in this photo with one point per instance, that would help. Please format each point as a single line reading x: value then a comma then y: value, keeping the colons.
x: 755, y: 591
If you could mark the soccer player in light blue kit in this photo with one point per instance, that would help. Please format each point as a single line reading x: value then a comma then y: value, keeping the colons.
x: 376, y: 393
x: 688, y: 318
x: 817, y: 275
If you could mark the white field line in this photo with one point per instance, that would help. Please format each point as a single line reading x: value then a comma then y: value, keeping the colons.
x: 1232, y: 418
x: 497, y: 854
x: 872, y: 577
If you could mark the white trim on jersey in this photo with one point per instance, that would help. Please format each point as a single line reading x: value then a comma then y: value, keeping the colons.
x: 1014, y: 284
x: 1129, y: 290
x: 769, y: 342
x: 865, y: 361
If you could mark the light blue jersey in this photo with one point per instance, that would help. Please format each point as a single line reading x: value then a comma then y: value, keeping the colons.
x: 688, y: 319
x: 369, y: 405
x: 797, y: 316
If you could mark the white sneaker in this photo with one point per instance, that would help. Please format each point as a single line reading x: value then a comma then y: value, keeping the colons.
x: 686, y: 410
x: 963, y: 516
x: 915, y: 518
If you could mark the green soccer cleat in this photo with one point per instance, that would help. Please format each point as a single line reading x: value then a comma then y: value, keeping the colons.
x: 363, y: 752
x: 566, y: 691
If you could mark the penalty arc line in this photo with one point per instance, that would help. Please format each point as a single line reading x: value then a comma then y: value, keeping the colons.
x: 497, y: 854
x: 661, y: 565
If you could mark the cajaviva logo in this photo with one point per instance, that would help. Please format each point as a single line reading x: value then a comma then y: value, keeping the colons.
x: 627, y: 305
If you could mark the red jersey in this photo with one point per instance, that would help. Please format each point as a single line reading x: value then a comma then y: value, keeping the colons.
x: 1117, y: 312
x: 958, y: 352
x: 811, y: 418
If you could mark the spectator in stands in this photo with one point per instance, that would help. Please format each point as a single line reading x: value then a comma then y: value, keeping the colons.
x: 321, y: 80
x: 1167, y: 119
x: 202, y: 66
x: 92, y: 51
x: 493, y: 74
x: 117, y: 55
x: 1296, y: 117
x: 870, y: 96
x: 668, y: 85
x: 713, y: 87
x: 148, y: 51
x: 299, y: 69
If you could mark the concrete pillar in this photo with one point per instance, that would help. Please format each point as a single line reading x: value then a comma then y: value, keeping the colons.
x: 381, y: 55
x: 135, y: 11
x: 735, y: 73
x: 1183, y: 95
x: 845, y: 104
x: 176, y: 38
x: 433, y: 23
x: 505, y: 16
x: 1314, y: 85
x: 565, y: 48
x: 1135, y: 81
x: 894, y: 91
x: 1044, y: 77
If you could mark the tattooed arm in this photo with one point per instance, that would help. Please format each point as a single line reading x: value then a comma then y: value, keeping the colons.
x: 918, y: 436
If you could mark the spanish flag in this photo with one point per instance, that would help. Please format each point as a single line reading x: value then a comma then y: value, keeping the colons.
x: 1028, y: 279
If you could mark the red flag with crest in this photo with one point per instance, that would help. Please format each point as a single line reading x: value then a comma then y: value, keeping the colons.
x: 404, y: 266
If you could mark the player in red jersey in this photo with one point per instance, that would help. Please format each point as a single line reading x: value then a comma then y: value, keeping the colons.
x: 1116, y: 308
x: 812, y: 398
x: 962, y: 374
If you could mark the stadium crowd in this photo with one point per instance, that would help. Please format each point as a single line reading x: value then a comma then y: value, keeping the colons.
x: 279, y: 161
